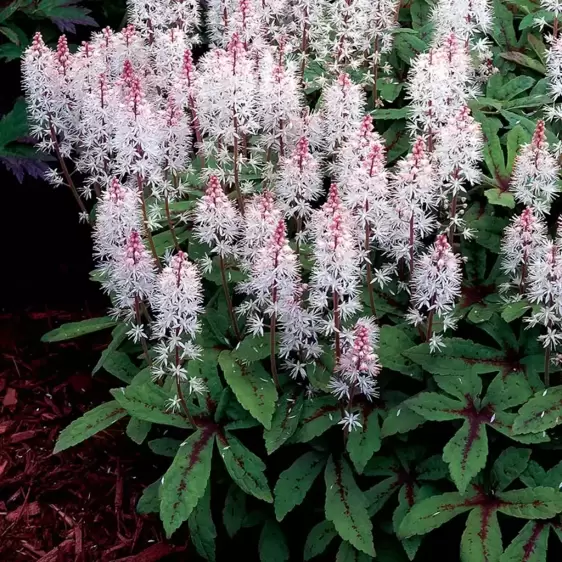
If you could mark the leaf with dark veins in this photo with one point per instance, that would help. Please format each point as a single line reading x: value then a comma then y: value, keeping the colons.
x: 482, y: 540
x: 530, y: 545
x: 346, y: 507
x: 466, y: 452
x: 185, y: 481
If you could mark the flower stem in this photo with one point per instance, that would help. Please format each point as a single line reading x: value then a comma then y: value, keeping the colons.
x: 139, y: 322
x: 228, y: 299
x: 171, y: 224
x: 236, y: 172
x: 337, y: 325
x: 145, y: 220
x: 547, y: 367
x: 184, y: 403
x: 64, y: 169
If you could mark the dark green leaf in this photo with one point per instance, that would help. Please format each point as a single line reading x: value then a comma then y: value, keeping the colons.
x: 148, y: 402
x: 319, y: 414
x: 433, y: 512
x: 120, y: 366
x: 185, y: 481
x: 346, y: 553
x: 285, y: 421
x: 165, y: 446
x: 496, y: 196
x: 531, y: 503
x: 202, y: 529
x: 511, y: 463
x: 542, y: 412
x: 436, y: 407
x: 89, y: 424
x: 525, y: 60
x: 234, y: 511
x: 466, y: 453
x: 365, y: 441
x: 137, y: 430
x: 245, y: 468
x: 294, y: 483
x: 530, y: 545
x: 394, y: 341
x: 319, y: 538
x: 76, y: 329
x: 380, y: 493
x: 272, y: 545
x: 252, y: 386
x: 514, y: 87
x: 149, y: 502
x: 119, y: 335
x: 482, y: 539
x: 346, y: 507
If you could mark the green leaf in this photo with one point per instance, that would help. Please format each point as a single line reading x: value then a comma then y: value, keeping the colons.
x: 13, y: 125
x: 76, y: 329
x: 252, y: 349
x: 165, y: 446
x: 234, y: 511
x: 492, y: 150
x: 531, y: 503
x: 319, y: 414
x: 137, y: 430
x: 433, y: 512
x: 346, y: 553
x: 515, y: 310
x: 542, y: 412
x: 530, y: 545
x: 408, y: 46
x: 120, y: 366
x: 506, y: 392
x: 346, y: 507
x: 10, y: 34
x: 389, y: 114
x: 380, y: 493
x: 272, y: 544
x: 400, y: 419
x: 554, y: 477
x: 436, y: 407
x: 185, y: 481
x: 252, y: 386
x: 295, y: 482
x: 245, y: 468
x: 149, y: 502
x: 148, y: 402
x: 496, y: 196
x: 515, y: 138
x: 534, y: 475
x: 202, y: 529
x: 9, y: 10
x: 502, y: 29
x: 89, y: 424
x: 524, y: 60
x: 511, y: 463
x: 393, y: 342
x: 318, y: 540
x: 514, y: 87
x: 466, y: 453
x: 460, y: 357
x: 364, y: 442
x: 285, y: 421
x: 460, y: 387
x: 432, y: 468
x: 119, y: 335
x: 482, y: 539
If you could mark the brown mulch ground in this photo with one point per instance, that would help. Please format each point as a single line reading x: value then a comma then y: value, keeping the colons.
x: 80, y: 505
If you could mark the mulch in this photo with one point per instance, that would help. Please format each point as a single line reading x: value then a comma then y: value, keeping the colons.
x: 79, y: 505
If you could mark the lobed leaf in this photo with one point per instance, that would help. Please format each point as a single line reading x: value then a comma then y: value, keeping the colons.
x: 364, y: 442
x: 531, y: 503
x: 272, y: 543
x: 542, y: 412
x: 285, y: 421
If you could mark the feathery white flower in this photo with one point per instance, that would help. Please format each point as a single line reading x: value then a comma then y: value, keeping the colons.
x: 216, y: 220
x: 535, y: 173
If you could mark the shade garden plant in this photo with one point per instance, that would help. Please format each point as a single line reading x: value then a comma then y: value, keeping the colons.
x: 325, y: 227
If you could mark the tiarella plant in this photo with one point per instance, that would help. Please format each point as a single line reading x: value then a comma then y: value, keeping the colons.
x: 332, y: 224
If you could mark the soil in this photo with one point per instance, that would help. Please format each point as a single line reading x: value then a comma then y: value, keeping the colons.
x: 78, y: 505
